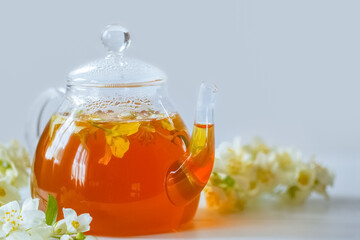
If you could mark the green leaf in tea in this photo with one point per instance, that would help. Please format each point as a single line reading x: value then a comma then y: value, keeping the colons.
x: 51, y: 211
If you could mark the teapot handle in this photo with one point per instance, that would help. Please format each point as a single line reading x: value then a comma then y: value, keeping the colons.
x: 33, y: 127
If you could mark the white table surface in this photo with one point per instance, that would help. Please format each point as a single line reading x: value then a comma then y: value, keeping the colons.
x: 338, y: 218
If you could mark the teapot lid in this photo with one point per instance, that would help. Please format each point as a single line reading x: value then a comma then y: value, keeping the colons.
x: 115, y: 69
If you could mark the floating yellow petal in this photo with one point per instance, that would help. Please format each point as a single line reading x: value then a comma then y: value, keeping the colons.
x: 118, y: 145
x: 148, y: 127
x: 167, y: 124
x: 124, y: 129
x: 107, y: 156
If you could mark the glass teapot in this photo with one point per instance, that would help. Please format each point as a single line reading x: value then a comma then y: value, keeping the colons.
x: 117, y: 149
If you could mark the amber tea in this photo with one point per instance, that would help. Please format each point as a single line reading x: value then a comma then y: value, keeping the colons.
x: 128, y: 172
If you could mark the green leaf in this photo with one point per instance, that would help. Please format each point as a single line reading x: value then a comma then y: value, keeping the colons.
x: 51, y: 211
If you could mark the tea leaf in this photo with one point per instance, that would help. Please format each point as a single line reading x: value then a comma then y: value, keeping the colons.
x: 51, y: 211
x: 198, y: 140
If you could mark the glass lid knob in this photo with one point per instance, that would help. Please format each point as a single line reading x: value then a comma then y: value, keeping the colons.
x: 116, y: 38
x: 114, y: 67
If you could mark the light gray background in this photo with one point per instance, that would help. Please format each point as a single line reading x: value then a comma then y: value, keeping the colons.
x: 288, y: 71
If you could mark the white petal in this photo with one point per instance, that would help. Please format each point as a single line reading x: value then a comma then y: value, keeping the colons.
x: 19, y: 235
x: 84, y: 221
x: 309, y: 173
x: 69, y: 225
x: 70, y: 216
x: 69, y: 213
x: 11, y: 192
x: 33, y: 218
x: 60, y: 227
x: 2, y: 235
x: 17, y: 156
x: 41, y: 233
x: 6, y: 228
x: 11, y: 206
x: 70, y: 228
x: 11, y: 174
x: 237, y: 145
x: 30, y: 204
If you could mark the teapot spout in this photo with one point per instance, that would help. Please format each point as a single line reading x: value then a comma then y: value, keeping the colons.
x: 206, y: 104
x: 187, y: 178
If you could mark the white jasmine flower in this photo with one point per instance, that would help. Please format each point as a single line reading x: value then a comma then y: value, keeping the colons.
x: 231, y: 158
x: 224, y: 154
x: 286, y: 158
x: 323, y: 175
x: 14, y: 166
x: 43, y: 232
x: 263, y: 161
x: 245, y: 172
x: 74, y: 223
x: 218, y: 200
x: 257, y: 146
x: 265, y: 174
x: 249, y: 170
x: 32, y: 234
x: 19, y: 160
x: 28, y: 223
x: 8, y: 192
x: 15, y: 223
x: 242, y: 182
x: 214, y: 196
x: 324, y: 178
x: 60, y: 227
x: 284, y: 177
x: 18, y: 235
x: 305, y: 177
x: 236, y: 145
x: 8, y: 170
